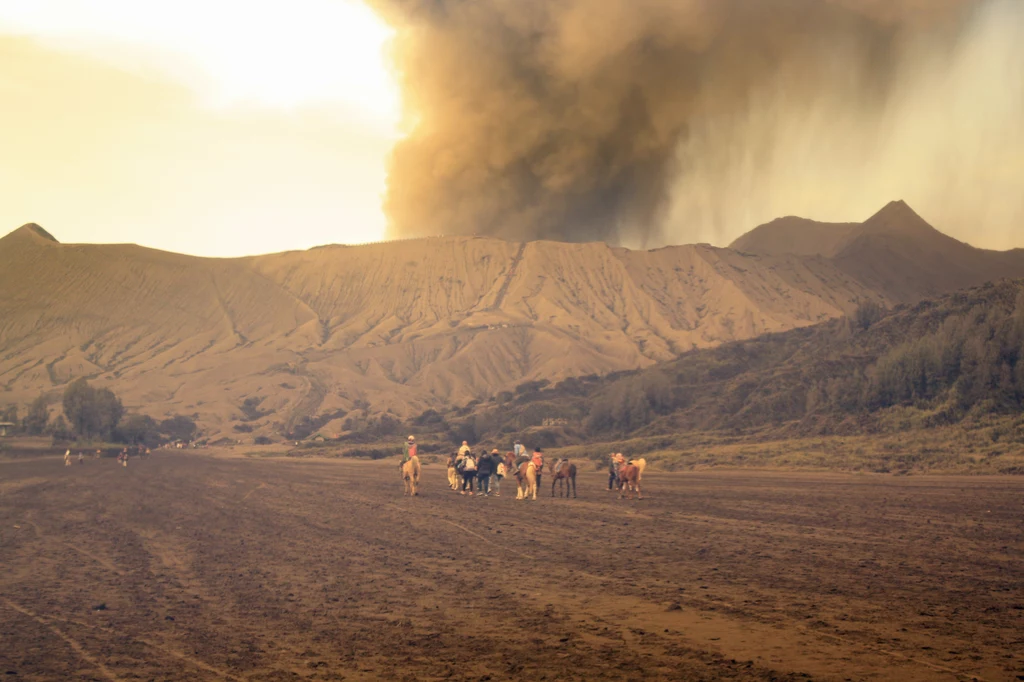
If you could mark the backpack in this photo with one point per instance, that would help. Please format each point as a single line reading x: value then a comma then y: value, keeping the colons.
x: 468, y: 464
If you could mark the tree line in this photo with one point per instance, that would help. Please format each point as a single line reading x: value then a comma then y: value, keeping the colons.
x: 97, y: 414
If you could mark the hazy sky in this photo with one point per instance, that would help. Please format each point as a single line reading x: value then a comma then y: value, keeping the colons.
x: 195, y: 126
x: 222, y: 128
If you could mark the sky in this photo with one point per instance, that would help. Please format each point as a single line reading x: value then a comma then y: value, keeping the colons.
x: 193, y: 126
x: 223, y: 128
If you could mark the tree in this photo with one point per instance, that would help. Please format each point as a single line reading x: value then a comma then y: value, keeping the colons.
x: 179, y: 427
x: 868, y: 313
x: 109, y: 411
x: 60, y: 430
x: 10, y: 414
x: 38, y: 417
x: 80, y: 407
x: 92, y: 413
x: 139, y: 429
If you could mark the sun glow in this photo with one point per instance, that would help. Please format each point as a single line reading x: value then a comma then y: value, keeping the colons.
x: 278, y: 55
x: 211, y: 127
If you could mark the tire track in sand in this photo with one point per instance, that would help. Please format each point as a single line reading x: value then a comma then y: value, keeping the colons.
x: 71, y: 642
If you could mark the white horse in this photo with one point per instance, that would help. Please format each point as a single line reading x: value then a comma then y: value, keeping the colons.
x: 411, y: 476
x: 526, y: 477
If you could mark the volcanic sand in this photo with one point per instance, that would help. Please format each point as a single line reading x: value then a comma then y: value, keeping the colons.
x: 196, y: 567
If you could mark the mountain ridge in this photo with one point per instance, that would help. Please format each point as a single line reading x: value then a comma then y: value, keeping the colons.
x: 408, y: 325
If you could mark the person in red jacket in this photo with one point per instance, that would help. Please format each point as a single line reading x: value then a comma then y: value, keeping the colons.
x: 408, y: 450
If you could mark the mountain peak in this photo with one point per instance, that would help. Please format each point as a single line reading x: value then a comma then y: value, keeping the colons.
x: 897, y: 217
x: 34, y: 232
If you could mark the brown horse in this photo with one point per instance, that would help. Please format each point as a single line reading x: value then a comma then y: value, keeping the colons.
x: 628, y: 477
x: 565, y: 475
x: 411, y: 477
x: 640, y: 464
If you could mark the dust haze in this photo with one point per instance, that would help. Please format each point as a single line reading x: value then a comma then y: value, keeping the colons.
x: 649, y: 122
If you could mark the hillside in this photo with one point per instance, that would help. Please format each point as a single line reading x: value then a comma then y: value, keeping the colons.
x: 941, y: 363
x: 402, y: 326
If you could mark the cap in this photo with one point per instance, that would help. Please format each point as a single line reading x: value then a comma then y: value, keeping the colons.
x: 411, y: 438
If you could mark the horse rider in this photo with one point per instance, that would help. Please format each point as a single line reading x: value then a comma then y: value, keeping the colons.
x: 518, y: 450
x: 408, y: 451
x: 463, y: 451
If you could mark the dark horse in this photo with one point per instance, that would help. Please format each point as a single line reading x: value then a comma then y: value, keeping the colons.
x: 565, y: 475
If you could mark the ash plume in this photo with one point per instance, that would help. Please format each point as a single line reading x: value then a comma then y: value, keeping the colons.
x: 646, y: 122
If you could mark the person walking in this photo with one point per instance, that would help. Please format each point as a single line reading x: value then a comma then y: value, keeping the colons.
x: 468, y: 472
x: 484, y: 471
x: 500, y: 472
x: 67, y: 458
x: 538, y: 463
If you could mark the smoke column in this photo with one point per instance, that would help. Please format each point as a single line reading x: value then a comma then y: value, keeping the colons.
x: 649, y: 122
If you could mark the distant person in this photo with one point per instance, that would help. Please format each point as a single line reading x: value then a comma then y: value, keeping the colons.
x: 464, y: 449
x: 500, y: 472
x: 484, y: 471
x: 81, y: 458
x: 538, y: 463
x: 613, y: 472
x: 67, y: 458
x: 409, y: 450
x: 468, y: 464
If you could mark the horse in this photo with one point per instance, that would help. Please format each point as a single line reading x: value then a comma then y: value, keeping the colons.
x: 526, y: 477
x: 628, y: 477
x: 453, y: 473
x: 526, y: 474
x: 640, y: 464
x: 411, y: 476
x: 565, y: 475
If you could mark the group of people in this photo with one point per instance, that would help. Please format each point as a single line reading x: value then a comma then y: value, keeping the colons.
x: 470, y: 474
x: 486, y: 471
x: 122, y: 457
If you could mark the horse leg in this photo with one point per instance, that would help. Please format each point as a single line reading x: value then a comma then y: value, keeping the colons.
x: 638, y: 495
x: 573, y: 479
x: 553, y: 482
